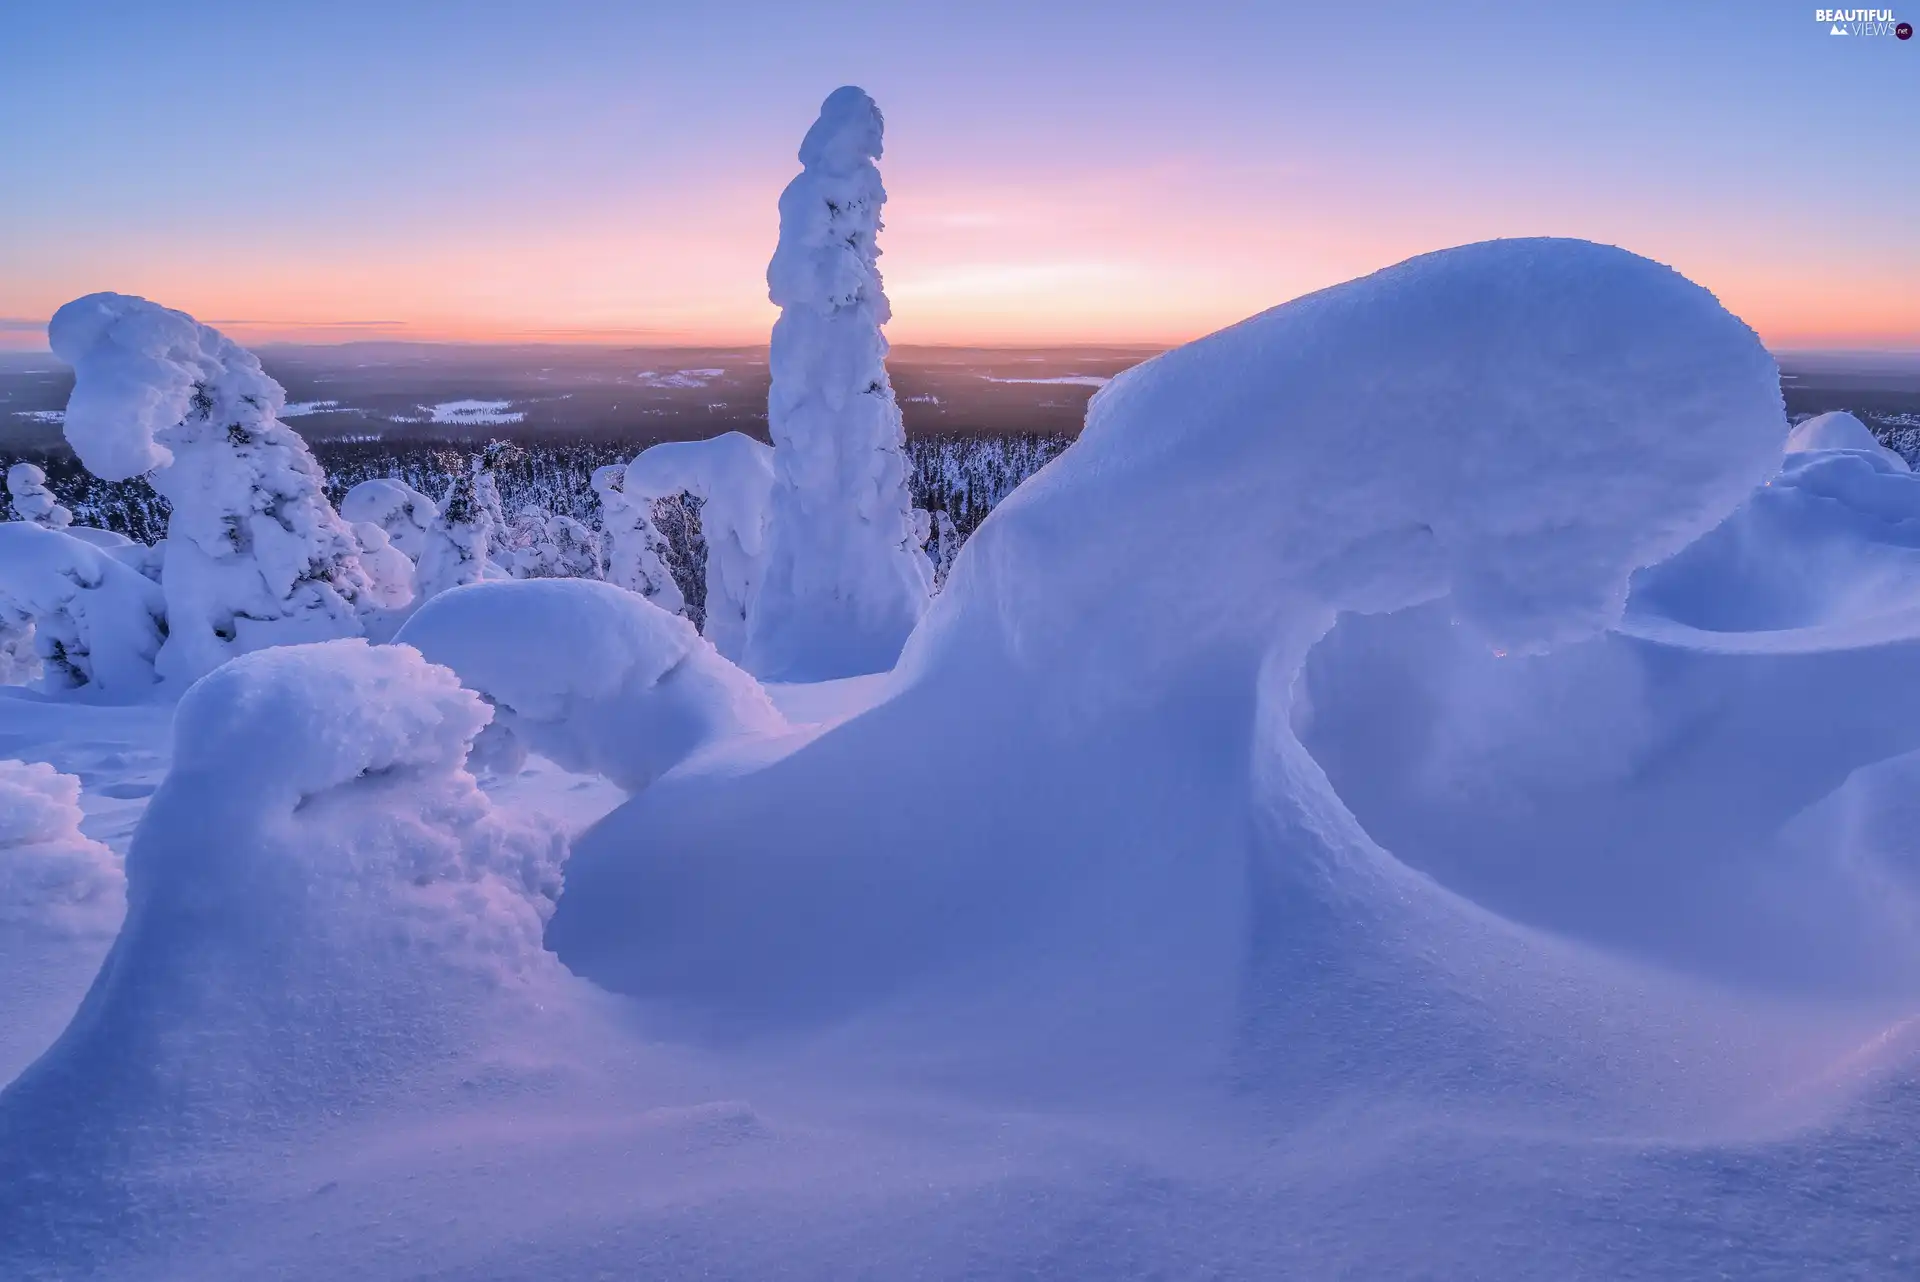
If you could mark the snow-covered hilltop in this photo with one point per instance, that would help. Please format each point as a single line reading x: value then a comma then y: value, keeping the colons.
x: 1421, y: 787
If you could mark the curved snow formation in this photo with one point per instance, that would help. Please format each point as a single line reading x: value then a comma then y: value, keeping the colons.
x: 595, y: 678
x: 255, y: 554
x: 97, y: 622
x: 61, y: 899
x: 1839, y: 430
x: 1082, y: 830
x: 321, y: 904
x: 845, y: 579
x: 732, y: 475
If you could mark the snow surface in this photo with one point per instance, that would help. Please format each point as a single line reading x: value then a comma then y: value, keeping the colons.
x: 845, y: 579
x: 591, y: 676
x: 472, y: 413
x: 1315, y: 833
x: 1067, y: 380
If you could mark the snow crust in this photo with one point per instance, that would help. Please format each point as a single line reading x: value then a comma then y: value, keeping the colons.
x: 845, y: 580
x: 733, y: 476
x: 589, y: 675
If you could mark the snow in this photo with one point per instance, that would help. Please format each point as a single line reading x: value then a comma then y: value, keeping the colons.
x: 97, y: 622
x: 42, y: 416
x: 1419, y: 788
x: 593, y: 677
x: 33, y: 501
x: 1838, y: 430
x: 390, y: 574
x: 255, y: 555
x: 635, y: 548
x: 397, y: 508
x: 1065, y: 380
x: 685, y: 378
x: 304, y: 409
x: 471, y: 413
x: 732, y: 475
x: 844, y: 580
x: 61, y: 898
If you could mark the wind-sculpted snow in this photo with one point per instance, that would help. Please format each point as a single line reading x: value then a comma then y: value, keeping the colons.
x: 255, y: 555
x: 592, y: 676
x: 320, y: 904
x: 61, y: 898
x: 1151, y: 870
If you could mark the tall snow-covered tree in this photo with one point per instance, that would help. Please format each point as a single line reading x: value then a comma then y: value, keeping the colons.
x: 844, y: 580
x: 33, y: 501
x: 255, y: 555
x: 635, y: 548
x: 460, y: 541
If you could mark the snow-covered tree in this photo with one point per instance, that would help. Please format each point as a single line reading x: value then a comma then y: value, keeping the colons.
x: 93, y: 620
x: 255, y: 555
x: 542, y: 545
x: 732, y: 475
x: 845, y: 581
x: 390, y: 573
x: 946, y: 537
x: 634, y: 548
x: 396, y: 507
x: 32, y: 500
x: 458, y: 545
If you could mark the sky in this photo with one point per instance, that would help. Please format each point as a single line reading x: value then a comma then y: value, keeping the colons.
x: 1116, y: 172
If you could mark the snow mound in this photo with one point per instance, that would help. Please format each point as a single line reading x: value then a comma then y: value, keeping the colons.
x: 1150, y: 875
x: 61, y: 899
x: 596, y: 678
x: 732, y: 475
x: 97, y: 622
x: 1838, y: 430
x: 321, y: 903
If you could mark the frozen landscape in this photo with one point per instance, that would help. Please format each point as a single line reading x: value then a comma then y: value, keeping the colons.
x: 1425, y: 785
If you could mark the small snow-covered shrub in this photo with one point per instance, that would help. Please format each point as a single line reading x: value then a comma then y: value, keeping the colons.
x: 32, y: 500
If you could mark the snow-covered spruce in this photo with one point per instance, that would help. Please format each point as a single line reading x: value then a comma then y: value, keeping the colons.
x: 732, y: 475
x: 396, y: 507
x: 543, y: 545
x: 460, y: 542
x: 635, y: 550
x: 255, y: 555
x: 845, y: 578
x: 321, y: 905
x: 391, y: 582
x: 96, y: 621
x: 32, y: 500
x: 594, y: 677
x: 62, y: 895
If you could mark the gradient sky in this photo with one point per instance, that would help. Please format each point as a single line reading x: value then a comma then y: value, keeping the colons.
x: 1111, y: 172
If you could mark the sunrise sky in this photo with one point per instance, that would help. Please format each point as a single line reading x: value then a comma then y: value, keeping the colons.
x: 1112, y: 172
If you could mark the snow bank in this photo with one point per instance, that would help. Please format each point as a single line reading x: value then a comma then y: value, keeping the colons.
x: 255, y: 554
x: 591, y: 676
x: 1838, y: 430
x: 321, y: 903
x: 732, y: 475
x: 61, y: 899
x: 97, y: 622
x: 1149, y: 876
x: 845, y: 580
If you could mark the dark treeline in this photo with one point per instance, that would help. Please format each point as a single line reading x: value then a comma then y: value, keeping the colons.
x: 964, y: 475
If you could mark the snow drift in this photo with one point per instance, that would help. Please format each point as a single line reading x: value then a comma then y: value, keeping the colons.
x: 320, y: 905
x: 1151, y: 874
x: 589, y: 675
